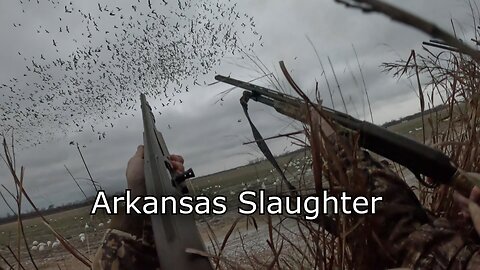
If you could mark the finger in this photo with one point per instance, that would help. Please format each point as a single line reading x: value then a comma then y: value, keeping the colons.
x: 460, y: 200
x: 176, y: 158
x: 140, y: 152
x: 465, y: 214
x: 463, y: 218
x: 177, y: 166
x: 475, y: 194
x: 475, y: 214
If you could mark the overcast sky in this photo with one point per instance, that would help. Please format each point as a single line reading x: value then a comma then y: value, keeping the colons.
x: 209, y: 132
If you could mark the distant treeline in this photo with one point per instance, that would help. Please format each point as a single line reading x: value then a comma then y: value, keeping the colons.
x: 52, y: 210
x: 413, y: 116
x: 45, y: 211
x: 260, y: 159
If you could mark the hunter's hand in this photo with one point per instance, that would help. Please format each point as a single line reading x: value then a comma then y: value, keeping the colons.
x: 136, y: 175
x: 462, y: 202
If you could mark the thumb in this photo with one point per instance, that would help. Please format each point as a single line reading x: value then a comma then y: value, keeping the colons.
x: 475, y: 214
x: 140, y: 152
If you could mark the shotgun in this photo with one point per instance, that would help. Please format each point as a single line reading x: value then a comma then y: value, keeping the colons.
x: 417, y: 157
x: 173, y: 234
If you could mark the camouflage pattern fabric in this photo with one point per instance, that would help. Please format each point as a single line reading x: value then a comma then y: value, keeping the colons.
x: 121, y: 250
x: 437, y: 245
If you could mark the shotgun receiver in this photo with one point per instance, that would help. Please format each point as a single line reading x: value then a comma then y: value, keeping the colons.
x: 419, y: 158
x: 173, y: 234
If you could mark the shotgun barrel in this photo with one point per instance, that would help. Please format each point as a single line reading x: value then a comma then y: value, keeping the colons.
x: 173, y: 233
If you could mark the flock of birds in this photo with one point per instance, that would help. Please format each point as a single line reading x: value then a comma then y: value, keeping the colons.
x: 100, y: 57
x: 41, y: 246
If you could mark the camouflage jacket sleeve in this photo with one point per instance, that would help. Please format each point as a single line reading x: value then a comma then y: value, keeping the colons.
x: 409, y: 236
x: 438, y: 245
x: 127, y: 249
